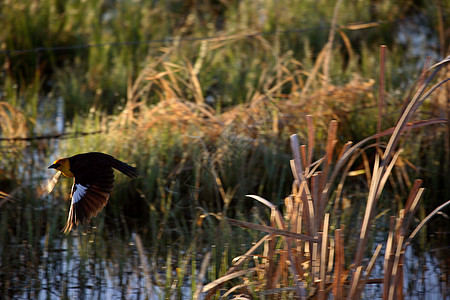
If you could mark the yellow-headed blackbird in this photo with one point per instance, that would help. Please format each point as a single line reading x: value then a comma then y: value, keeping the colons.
x: 93, y: 183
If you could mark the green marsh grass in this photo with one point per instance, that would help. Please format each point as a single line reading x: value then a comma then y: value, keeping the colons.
x: 234, y: 60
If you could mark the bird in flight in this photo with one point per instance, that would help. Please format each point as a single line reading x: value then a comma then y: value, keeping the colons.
x: 92, y: 185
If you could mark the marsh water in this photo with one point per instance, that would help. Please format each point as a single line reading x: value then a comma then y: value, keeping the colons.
x: 92, y: 266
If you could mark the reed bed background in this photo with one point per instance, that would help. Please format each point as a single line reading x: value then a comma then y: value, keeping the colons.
x: 204, y: 99
x: 307, y: 262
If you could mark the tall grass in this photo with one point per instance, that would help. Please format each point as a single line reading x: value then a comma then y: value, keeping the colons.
x: 309, y: 260
x: 109, y: 41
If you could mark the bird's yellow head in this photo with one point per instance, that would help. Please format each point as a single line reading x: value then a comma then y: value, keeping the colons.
x: 62, y: 165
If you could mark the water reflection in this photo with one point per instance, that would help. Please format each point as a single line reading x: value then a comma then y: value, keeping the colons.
x: 87, y: 266
x: 93, y: 266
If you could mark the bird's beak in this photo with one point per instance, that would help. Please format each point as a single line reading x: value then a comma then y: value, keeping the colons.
x: 54, y: 166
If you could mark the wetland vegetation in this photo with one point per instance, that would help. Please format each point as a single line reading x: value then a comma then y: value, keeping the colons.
x: 213, y: 101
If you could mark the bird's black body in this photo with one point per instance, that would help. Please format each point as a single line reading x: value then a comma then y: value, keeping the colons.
x: 89, y: 165
x: 93, y: 183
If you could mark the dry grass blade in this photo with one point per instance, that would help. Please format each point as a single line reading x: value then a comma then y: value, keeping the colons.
x: 240, y: 259
x: 387, y: 265
x: 5, y: 197
x: 313, y: 167
x: 13, y: 122
x: 295, y: 147
x: 226, y: 278
x: 201, y: 275
x: 386, y: 173
x: 298, y: 173
x: 196, y: 87
x: 314, y: 71
x: 372, y: 260
x: 315, y: 187
x: 424, y: 221
x: 237, y: 261
x: 331, y: 252
x: 440, y: 64
x: 381, y: 91
x: 345, y: 174
x: 303, y: 155
x: 301, y: 292
x: 278, y: 216
x: 273, y: 230
x: 235, y: 288
x: 354, y: 283
x: 331, y: 142
x: 269, y: 254
x: 368, y: 271
x: 225, y: 196
x: 396, y: 268
x: 371, y: 200
x: 329, y: 150
x: 276, y: 291
x: 329, y: 44
x: 263, y: 201
x: 145, y: 265
x: 295, y: 174
x: 344, y: 149
x: 347, y: 155
x: 315, y: 263
x: 366, y: 167
x: 311, y: 216
x: 323, y: 257
x: 347, y: 43
x: 361, y: 26
x: 338, y: 265
x: 412, y: 208
x: 311, y: 139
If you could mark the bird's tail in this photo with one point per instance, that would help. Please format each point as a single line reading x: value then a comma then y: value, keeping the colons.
x: 124, y: 168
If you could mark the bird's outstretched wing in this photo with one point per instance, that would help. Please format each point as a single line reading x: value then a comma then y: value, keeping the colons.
x: 88, y: 199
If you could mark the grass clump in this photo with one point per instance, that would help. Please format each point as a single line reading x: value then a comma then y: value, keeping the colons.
x: 301, y: 257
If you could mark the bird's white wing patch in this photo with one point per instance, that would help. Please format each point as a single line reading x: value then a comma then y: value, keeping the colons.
x: 78, y: 192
